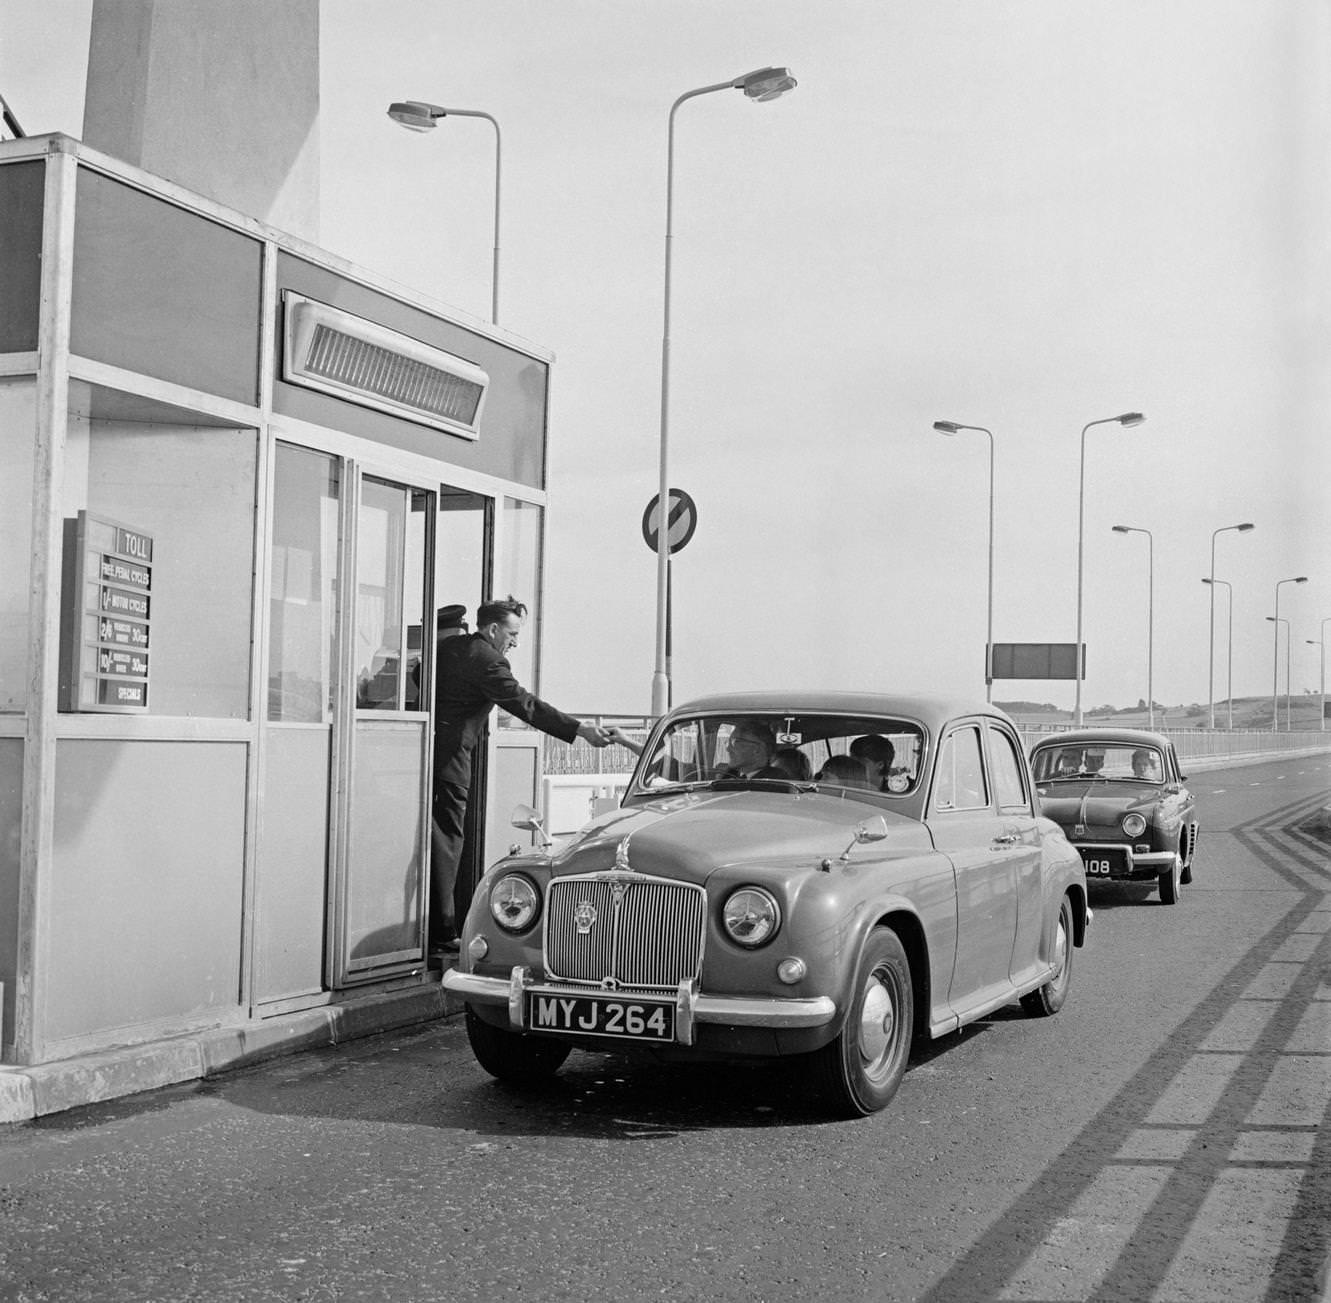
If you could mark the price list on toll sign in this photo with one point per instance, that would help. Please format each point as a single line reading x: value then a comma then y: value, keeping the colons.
x: 107, y: 616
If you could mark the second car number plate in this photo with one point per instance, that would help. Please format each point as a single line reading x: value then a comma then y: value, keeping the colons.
x: 597, y: 1015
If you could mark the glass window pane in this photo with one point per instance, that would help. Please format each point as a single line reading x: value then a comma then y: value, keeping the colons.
x: 302, y: 606
x: 191, y: 489
x: 18, y: 426
x: 1007, y: 770
x: 380, y: 528
x: 415, y: 598
x: 960, y: 784
x: 520, y: 575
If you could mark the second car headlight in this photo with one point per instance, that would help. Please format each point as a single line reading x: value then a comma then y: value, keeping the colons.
x: 1134, y: 825
x: 751, y: 916
x: 514, y: 902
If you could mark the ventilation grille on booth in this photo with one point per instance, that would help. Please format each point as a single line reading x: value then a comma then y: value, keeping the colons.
x: 367, y: 363
x: 404, y: 380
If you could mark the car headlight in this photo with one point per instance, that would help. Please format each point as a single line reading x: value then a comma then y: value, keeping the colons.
x: 515, y: 902
x: 751, y: 916
x: 1134, y: 825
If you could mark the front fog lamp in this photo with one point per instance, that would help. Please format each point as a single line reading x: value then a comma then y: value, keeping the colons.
x: 1134, y: 825
x: 751, y: 916
x: 514, y: 902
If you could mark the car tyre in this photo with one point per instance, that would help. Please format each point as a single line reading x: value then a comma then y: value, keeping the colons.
x: 513, y: 1056
x: 858, y: 1073
x: 1171, y: 882
x: 1048, y: 999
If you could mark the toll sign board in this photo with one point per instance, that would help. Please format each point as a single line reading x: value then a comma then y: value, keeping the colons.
x: 106, y: 616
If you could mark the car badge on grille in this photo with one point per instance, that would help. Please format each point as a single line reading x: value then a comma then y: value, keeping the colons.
x: 1079, y: 830
x: 585, y: 917
x: 622, y: 857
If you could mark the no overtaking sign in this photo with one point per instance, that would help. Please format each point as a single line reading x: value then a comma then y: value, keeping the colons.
x: 682, y: 522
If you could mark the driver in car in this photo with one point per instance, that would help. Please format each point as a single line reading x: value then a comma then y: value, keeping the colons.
x: 751, y: 747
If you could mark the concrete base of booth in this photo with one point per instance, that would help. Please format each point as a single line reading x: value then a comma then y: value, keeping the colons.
x: 29, y: 1092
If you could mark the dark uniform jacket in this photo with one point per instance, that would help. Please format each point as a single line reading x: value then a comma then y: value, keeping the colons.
x: 471, y: 679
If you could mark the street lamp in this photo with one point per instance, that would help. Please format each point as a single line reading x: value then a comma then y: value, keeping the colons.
x: 1278, y: 621
x: 1229, y: 654
x: 951, y: 428
x: 1321, y: 642
x: 1275, y: 669
x: 1127, y: 419
x: 416, y: 115
x: 1210, y: 658
x: 1150, y: 614
x: 761, y: 85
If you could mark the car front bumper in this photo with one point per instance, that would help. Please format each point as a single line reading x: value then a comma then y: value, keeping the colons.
x: 691, y: 1006
x: 1137, y: 864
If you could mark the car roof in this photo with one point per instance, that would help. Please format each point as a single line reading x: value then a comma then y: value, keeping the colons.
x: 1123, y: 736
x: 933, y: 710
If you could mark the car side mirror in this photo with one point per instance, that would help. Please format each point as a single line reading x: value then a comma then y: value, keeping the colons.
x: 871, y: 830
x: 529, y: 820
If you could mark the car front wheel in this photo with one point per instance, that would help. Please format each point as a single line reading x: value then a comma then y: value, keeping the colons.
x: 1171, y: 882
x: 511, y: 1056
x: 1048, y: 999
x: 859, y: 1071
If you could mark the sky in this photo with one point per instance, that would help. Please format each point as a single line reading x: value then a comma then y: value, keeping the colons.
x: 1025, y: 215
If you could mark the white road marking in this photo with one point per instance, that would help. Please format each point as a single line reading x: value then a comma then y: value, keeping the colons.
x: 1081, y: 1247
x: 1297, y: 1093
x: 1232, y: 1245
x: 1273, y: 982
x: 1196, y: 1089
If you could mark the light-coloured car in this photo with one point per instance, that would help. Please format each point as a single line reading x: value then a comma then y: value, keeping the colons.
x: 828, y: 875
x: 1120, y: 798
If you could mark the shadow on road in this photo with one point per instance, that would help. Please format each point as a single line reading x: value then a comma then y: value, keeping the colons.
x: 1209, y: 1175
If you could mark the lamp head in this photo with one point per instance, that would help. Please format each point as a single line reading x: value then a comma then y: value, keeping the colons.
x: 1121, y: 529
x: 415, y: 115
x: 1130, y: 418
x: 765, y: 83
x: 1245, y: 527
x: 946, y: 427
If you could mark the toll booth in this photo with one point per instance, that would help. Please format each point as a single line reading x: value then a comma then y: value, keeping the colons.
x: 239, y: 477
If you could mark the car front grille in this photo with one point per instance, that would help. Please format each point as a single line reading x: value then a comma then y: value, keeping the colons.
x: 624, y: 930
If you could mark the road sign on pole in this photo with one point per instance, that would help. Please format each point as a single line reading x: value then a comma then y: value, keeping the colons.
x: 683, y: 520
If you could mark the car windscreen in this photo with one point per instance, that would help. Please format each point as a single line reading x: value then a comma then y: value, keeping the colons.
x: 1117, y: 760
x: 844, y: 752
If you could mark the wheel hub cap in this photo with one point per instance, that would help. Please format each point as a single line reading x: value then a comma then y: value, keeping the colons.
x: 878, y: 1021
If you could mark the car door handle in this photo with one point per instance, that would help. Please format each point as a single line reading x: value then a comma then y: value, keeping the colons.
x: 1006, y: 839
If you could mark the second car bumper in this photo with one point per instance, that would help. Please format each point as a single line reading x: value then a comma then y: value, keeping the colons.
x: 691, y: 1006
x: 1139, y: 864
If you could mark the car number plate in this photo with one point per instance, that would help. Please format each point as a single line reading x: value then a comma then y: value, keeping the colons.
x: 598, y: 1015
x: 1101, y: 864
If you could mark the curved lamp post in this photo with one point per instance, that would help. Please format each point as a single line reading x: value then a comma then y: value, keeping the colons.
x: 1128, y: 419
x: 1275, y: 670
x: 1210, y: 657
x: 1229, y: 654
x: 1150, y: 614
x: 951, y: 428
x: 417, y: 115
x: 761, y: 85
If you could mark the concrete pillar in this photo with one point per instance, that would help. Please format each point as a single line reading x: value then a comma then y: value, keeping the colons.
x: 221, y: 96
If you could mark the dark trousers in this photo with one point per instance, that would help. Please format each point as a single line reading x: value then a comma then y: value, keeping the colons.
x: 447, y: 836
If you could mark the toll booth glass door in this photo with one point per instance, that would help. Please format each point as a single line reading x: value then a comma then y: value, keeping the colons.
x: 303, y: 614
x: 383, y: 895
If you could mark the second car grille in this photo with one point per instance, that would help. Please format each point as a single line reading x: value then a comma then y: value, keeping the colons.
x: 627, y: 931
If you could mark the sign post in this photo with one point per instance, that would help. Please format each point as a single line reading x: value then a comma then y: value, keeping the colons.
x: 682, y: 520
